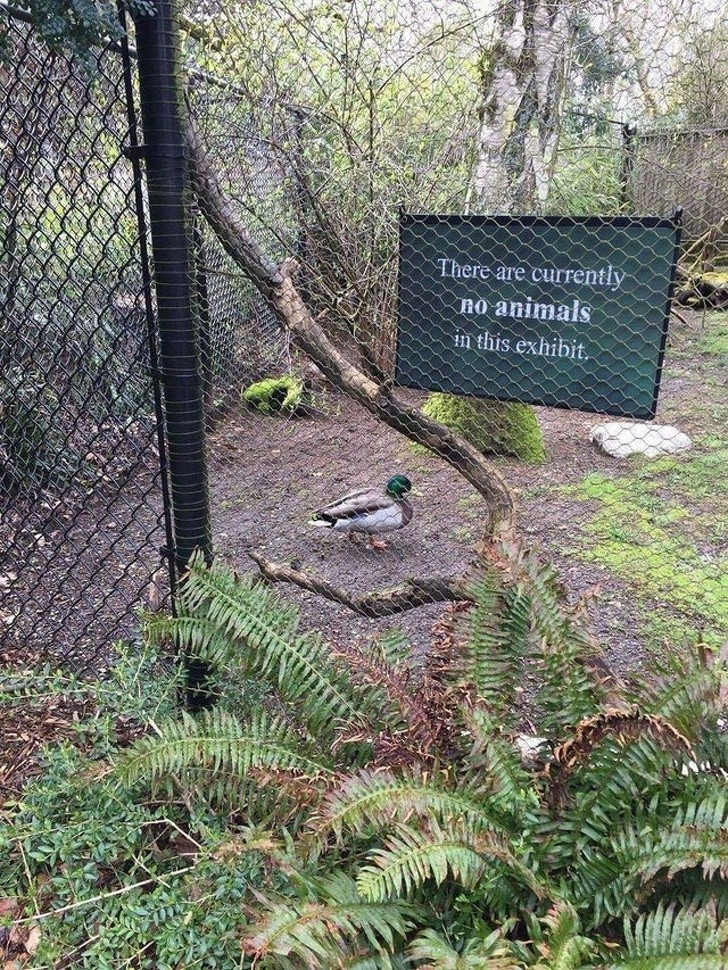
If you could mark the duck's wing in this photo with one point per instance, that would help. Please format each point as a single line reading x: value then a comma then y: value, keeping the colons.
x: 355, y: 504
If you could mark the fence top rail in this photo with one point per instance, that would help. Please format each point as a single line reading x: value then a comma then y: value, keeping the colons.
x: 658, y: 133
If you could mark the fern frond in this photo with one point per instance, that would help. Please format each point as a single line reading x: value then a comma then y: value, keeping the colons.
x: 691, y: 890
x: 711, y: 811
x: 686, y: 848
x: 629, y: 782
x: 225, y: 616
x: 265, y: 796
x: 562, y: 947
x: 520, y: 609
x: 220, y: 742
x: 393, y: 649
x: 684, y: 688
x: 528, y: 574
x: 404, y: 709
x: 411, y: 857
x: 494, y: 767
x: 697, y: 837
x: 197, y: 636
x: 621, y: 726
x: 321, y: 933
x: 564, y: 658
x: 378, y: 800
x: 704, y: 961
x: 674, y: 938
x: 569, y: 688
x: 490, y: 665
x: 431, y: 952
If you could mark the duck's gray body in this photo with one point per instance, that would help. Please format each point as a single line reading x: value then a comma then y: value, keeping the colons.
x: 369, y: 510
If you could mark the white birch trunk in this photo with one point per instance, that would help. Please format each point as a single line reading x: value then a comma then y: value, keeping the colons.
x: 522, y: 98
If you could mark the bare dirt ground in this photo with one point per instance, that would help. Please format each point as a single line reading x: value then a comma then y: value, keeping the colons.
x: 76, y: 561
x: 296, y: 465
x: 269, y: 473
x: 86, y: 573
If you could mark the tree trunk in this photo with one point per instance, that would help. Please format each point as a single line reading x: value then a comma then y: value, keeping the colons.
x: 523, y: 84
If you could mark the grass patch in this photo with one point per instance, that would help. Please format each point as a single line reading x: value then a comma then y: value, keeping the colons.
x: 662, y: 529
x: 715, y: 340
x: 710, y: 340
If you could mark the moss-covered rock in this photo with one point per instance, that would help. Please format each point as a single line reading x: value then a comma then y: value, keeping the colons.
x: 274, y: 394
x: 494, y: 427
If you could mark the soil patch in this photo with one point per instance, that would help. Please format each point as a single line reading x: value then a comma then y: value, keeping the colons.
x: 269, y: 473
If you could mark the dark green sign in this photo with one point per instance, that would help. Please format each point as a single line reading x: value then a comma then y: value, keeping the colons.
x: 566, y: 312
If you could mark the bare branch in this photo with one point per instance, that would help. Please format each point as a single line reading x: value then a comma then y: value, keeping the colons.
x: 407, y: 596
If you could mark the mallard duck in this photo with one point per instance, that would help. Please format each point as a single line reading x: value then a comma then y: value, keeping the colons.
x: 369, y: 510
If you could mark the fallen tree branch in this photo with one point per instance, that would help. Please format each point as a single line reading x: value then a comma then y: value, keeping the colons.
x: 408, y: 595
x: 708, y: 237
x: 277, y: 285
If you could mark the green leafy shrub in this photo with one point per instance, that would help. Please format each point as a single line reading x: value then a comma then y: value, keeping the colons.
x: 494, y: 427
x: 347, y: 811
x: 113, y: 863
x: 116, y: 873
x: 80, y: 25
x: 420, y: 828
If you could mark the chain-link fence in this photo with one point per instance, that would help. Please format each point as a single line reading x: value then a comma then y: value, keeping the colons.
x: 438, y: 296
x: 82, y: 512
x: 453, y: 214
x: 241, y: 338
x: 682, y: 166
x: 572, y: 128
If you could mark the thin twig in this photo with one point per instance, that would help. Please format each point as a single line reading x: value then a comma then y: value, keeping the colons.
x: 100, y: 897
x: 680, y: 317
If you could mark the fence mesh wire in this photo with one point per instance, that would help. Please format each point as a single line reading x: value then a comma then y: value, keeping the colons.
x: 682, y: 166
x: 81, y: 515
x: 241, y: 339
x: 329, y: 127
x: 369, y: 114
x: 406, y: 218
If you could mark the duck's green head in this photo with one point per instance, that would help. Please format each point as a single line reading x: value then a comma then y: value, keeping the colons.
x: 398, y: 486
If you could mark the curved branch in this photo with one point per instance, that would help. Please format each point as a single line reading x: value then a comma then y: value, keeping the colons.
x: 408, y: 595
x: 276, y: 284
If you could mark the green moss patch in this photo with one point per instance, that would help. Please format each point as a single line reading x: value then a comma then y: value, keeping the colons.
x: 275, y: 394
x: 494, y: 427
x: 663, y: 529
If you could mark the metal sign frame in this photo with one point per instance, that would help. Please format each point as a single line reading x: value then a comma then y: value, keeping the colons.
x: 553, y: 310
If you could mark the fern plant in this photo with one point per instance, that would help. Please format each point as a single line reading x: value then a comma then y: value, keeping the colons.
x: 422, y: 833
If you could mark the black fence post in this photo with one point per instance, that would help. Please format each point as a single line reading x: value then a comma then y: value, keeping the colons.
x: 170, y: 217
x: 629, y: 130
